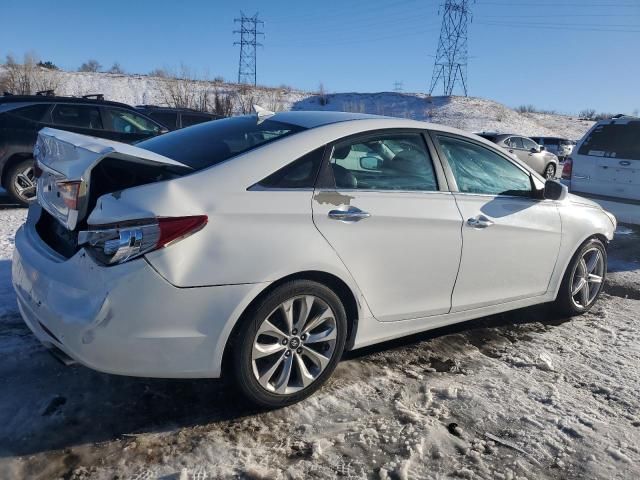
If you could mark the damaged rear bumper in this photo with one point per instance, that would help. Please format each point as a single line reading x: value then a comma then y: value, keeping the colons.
x: 124, y: 319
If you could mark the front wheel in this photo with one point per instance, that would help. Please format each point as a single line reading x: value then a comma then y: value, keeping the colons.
x: 290, y: 344
x: 21, y: 181
x: 550, y: 171
x: 584, y: 279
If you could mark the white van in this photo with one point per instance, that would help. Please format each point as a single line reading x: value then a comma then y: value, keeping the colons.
x: 606, y: 162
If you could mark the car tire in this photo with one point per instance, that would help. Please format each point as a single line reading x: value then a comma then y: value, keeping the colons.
x: 589, y: 264
x: 550, y: 172
x: 274, y: 365
x: 20, y: 180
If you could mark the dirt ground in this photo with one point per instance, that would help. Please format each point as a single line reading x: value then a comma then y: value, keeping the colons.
x: 520, y: 395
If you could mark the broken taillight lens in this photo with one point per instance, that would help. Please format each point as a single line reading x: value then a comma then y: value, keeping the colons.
x: 567, y: 168
x: 115, y: 244
x: 68, y: 192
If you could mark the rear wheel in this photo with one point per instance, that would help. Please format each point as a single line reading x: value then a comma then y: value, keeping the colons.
x: 290, y: 344
x: 21, y: 181
x: 584, y: 279
x: 550, y: 171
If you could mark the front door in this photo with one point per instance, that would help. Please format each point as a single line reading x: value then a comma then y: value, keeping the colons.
x: 511, y: 240
x: 384, y: 212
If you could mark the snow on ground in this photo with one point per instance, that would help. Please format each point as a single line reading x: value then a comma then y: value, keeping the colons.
x: 521, y: 395
x: 467, y: 113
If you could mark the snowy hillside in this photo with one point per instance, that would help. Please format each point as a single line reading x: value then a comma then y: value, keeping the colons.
x: 467, y: 113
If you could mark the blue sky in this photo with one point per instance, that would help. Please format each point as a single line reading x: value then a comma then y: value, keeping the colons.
x: 565, y: 55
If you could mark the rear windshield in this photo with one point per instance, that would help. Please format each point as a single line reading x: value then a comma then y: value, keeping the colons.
x: 210, y: 143
x: 491, y: 138
x: 616, y: 141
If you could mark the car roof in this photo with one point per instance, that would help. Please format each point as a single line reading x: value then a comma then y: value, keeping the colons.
x: 58, y: 99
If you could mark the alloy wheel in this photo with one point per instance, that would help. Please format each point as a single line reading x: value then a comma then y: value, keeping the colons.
x: 294, y: 344
x: 24, y: 183
x: 587, y: 278
x: 550, y: 171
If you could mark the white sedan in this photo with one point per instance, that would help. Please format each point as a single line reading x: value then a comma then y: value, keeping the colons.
x: 262, y: 247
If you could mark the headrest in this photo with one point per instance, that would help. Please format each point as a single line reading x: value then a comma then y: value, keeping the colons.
x: 341, y: 152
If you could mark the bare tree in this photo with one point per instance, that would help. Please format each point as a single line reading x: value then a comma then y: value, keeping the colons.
x: 246, y: 98
x: 222, y: 104
x: 116, y: 68
x: 587, y: 114
x: 322, y: 95
x: 27, y: 77
x: 275, y: 100
x: 90, y: 66
x: 182, y: 90
x: 159, y: 72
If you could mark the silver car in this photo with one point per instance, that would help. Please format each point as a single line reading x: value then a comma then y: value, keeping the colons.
x: 527, y: 151
x: 561, y: 147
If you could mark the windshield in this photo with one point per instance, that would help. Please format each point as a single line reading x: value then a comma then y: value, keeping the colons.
x: 613, y: 140
x: 210, y: 143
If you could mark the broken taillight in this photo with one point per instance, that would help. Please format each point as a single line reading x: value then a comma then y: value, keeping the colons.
x: 69, y: 192
x: 567, y: 168
x: 115, y: 244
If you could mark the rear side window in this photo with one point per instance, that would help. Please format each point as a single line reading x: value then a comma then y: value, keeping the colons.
x: 32, y: 112
x: 615, y: 141
x: 210, y: 143
x: 125, y: 121
x: 168, y: 119
x: 301, y: 173
x: 80, y: 116
x: 515, y: 142
x: 191, y: 119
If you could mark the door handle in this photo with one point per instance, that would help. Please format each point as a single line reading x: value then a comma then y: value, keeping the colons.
x: 479, y: 222
x: 351, y: 214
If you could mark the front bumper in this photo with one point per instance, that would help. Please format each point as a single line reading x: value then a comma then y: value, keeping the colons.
x: 124, y: 319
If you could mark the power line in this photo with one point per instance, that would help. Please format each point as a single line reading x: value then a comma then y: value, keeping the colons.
x: 248, y: 46
x: 450, y: 66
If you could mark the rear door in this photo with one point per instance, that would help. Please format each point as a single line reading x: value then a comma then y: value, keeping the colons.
x: 607, y: 161
x: 510, y: 239
x: 383, y: 205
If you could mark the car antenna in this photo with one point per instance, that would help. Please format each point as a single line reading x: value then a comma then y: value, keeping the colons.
x: 262, y: 113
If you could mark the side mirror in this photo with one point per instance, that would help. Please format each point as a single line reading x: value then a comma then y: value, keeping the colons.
x: 542, y: 148
x: 535, y: 150
x: 554, y: 190
x: 370, y: 163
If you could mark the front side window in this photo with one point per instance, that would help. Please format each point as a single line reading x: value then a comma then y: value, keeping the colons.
x: 479, y: 170
x: 124, y: 121
x: 210, y: 143
x: 80, y: 116
x: 529, y: 144
x: 384, y: 162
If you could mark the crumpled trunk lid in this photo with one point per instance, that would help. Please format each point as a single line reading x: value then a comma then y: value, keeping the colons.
x: 66, y: 158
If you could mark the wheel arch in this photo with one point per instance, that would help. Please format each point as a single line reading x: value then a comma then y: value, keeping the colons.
x: 335, y: 283
x: 598, y: 236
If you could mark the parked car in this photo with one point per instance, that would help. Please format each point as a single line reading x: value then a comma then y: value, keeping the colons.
x: 262, y: 248
x: 176, y: 118
x: 22, y: 116
x: 527, y: 151
x: 606, y: 162
x: 560, y: 147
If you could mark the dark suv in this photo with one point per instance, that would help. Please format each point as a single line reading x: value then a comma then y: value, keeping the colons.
x: 22, y: 116
x: 176, y: 118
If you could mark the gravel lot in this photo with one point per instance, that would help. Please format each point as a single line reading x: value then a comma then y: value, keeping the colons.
x: 522, y: 395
